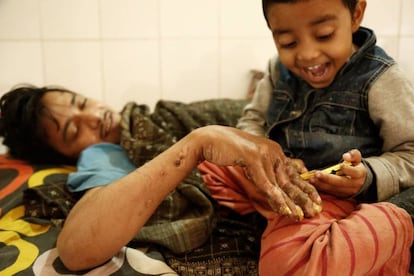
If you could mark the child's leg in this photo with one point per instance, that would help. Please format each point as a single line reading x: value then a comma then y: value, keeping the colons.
x: 371, y: 239
x: 345, y: 239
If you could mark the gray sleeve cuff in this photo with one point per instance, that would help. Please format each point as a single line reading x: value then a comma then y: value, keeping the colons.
x: 368, y: 192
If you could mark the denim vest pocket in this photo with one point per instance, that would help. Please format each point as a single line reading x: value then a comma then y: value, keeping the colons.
x: 338, y: 112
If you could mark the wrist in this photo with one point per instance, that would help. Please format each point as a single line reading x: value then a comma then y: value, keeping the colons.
x: 368, y: 192
x: 203, y: 141
x: 195, y: 142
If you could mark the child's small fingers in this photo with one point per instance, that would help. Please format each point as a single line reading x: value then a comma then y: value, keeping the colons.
x: 347, y: 156
x: 353, y: 156
x: 357, y: 171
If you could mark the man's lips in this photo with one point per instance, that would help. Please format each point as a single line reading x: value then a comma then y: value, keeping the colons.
x: 106, y: 124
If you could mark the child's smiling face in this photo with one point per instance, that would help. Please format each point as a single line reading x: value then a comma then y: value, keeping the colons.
x: 314, y: 37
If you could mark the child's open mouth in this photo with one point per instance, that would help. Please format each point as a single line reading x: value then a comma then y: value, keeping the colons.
x: 316, y: 73
x: 317, y: 70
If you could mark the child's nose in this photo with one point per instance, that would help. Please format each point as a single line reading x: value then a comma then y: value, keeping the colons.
x: 308, y: 52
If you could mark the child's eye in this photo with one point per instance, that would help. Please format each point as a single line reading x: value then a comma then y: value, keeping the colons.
x: 325, y: 36
x: 285, y: 41
x: 287, y: 45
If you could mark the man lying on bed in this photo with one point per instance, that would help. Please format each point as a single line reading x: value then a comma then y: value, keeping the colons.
x: 56, y: 125
x: 71, y: 124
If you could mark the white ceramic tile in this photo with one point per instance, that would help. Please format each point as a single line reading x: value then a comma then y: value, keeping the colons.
x: 238, y: 58
x: 242, y: 19
x: 383, y: 16
x: 20, y: 63
x: 131, y: 72
x: 70, y: 19
x: 189, y: 69
x: 390, y: 44
x: 407, y: 56
x: 19, y: 19
x: 194, y: 64
x: 189, y: 18
x: 407, y: 17
x: 130, y: 18
x: 75, y: 65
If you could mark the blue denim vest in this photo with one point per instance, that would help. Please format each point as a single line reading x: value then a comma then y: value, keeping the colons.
x: 319, y: 125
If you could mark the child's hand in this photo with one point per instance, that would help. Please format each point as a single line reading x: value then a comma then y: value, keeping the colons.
x: 349, y: 183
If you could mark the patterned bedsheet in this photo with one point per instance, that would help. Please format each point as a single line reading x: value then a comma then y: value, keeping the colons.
x: 28, y: 238
x: 34, y: 203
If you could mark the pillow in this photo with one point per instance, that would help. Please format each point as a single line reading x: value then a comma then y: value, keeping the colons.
x: 24, y: 235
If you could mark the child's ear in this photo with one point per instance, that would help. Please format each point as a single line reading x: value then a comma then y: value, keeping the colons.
x: 358, y: 14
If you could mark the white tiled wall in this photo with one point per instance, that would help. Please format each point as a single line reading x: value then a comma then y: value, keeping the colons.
x: 144, y: 50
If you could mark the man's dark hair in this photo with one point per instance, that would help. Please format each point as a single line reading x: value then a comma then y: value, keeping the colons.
x: 21, y: 113
x: 350, y: 4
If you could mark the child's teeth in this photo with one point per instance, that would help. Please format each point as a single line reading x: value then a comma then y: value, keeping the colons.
x: 313, y: 67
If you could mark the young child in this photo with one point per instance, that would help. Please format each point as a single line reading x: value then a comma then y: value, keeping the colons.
x: 331, y: 90
x: 331, y: 94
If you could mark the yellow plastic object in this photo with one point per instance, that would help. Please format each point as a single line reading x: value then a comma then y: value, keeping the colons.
x: 335, y: 169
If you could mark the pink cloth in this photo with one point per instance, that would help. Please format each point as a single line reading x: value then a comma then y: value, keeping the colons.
x: 345, y: 239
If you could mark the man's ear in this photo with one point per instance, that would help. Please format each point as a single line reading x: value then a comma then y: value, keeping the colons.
x: 358, y: 14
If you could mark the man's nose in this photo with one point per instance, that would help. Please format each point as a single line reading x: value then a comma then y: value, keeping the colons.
x: 89, y: 118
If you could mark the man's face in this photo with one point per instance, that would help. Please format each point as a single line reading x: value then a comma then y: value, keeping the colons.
x: 73, y: 122
x: 313, y: 38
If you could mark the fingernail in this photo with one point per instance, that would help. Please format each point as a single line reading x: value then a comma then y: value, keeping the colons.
x: 319, y: 199
x: 299, y: 210
x: 285, y: 211
x: 317, y: 208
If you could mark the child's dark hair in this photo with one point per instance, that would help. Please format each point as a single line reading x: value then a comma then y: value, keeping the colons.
x: 21, y: 111
x: 350, y: 4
